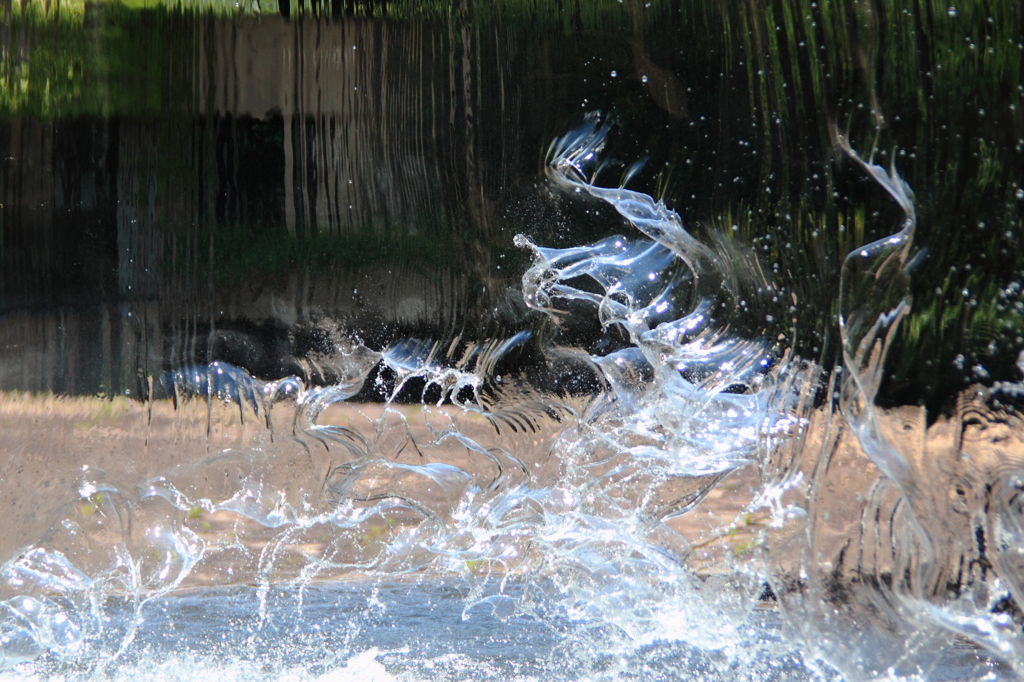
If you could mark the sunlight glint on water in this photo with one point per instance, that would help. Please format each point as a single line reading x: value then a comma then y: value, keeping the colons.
x: 572, y: 521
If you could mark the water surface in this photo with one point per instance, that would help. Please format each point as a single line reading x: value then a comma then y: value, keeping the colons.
x: 513, y: 341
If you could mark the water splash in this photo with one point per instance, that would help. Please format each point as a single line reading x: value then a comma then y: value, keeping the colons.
x: 887, y: 580
x: 686, y: 465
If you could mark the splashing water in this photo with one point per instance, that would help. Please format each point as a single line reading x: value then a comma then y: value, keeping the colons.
x: 694, y: 502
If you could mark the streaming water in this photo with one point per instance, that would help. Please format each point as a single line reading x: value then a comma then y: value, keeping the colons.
x: 504, y: 530
x: 309, y: 374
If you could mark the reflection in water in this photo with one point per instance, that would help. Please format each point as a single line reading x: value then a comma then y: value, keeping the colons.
x: 303, y: 360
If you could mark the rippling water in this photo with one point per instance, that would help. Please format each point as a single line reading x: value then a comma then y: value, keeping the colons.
x: 406, y: 342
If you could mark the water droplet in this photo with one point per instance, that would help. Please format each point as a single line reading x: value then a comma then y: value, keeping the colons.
x: 951, y: 12
x: 643, y: 78
x: 1020, y: 194
x: 615, y: 74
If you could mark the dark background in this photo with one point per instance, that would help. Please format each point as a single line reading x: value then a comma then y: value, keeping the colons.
x: 180, y: 185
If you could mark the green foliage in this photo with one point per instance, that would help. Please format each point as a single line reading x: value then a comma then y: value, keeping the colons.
x: 85, y: 60
x: 241, y: 251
